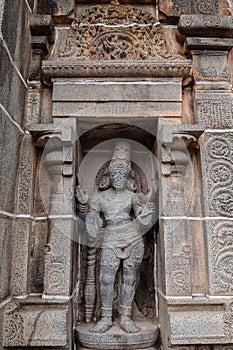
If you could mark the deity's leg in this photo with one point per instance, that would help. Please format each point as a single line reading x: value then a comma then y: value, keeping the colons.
x: 127, y: 296
x: 107, y: 279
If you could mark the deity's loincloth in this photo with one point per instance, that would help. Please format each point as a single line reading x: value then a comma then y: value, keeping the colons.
x: 122, y: 242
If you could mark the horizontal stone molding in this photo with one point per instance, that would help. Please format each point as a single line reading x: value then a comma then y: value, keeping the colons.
x: 147, y: 91
x: 206, y: 26
x: 124, y: 69
x: 117, y: 109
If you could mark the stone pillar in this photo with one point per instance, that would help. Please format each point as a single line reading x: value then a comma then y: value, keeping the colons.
x: 214, y: 101
x: 59, y: 159
x: 182, y: 271
x: 45, y: 321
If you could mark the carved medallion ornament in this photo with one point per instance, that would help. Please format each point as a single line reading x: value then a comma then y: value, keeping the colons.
x: 221, y: 242
x: 219, y: 168
x: 114, y: 32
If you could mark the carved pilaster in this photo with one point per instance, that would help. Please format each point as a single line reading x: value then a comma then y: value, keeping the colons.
x: 22, y: 226
x: 58, y: 157
x: 177, y: 143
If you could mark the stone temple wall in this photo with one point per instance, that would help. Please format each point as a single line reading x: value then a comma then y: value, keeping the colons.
x: 14, y: 57
x: 74, y: 75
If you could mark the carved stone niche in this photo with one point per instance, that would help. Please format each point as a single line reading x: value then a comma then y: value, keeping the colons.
x: 97, y: 146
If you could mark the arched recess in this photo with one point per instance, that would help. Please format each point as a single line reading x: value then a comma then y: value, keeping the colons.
x: 95, y: 148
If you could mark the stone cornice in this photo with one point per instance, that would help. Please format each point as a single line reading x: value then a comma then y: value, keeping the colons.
x: 115, y: 69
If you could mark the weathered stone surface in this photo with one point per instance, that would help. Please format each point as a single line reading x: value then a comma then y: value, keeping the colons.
x: 12, y: 87
x: 10, y: 137
x: 214, y: 110
x: 117, y: 99
x: 38, y: 242
x: 117, y: 339
x: 40, y: 327
x: 42, y: 25
x: 195, y: 326
x: 177, y: 263
x: 208, y: 7
x: 18, y: 44
x: 58, y: 259
x: 160, y: 91
x: 58, y: 8
x: 203, y: 322
x: 206, y: 26
x: 5, y: 251
x: 63, y: 8
x: 24, y: 198
x: 216, y: 44
x: 117, y: 109
x: 20, y: 263
x: 211, y: 66
x: 34, y: 102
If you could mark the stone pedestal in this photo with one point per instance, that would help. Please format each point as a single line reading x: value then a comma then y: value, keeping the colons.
x: 116, y: 339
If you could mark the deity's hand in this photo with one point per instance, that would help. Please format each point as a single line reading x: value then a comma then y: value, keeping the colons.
x: 151, y: 196
x: 81, y: 195
x: 93, y: 224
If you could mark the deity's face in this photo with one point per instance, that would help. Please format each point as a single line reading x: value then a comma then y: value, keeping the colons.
x: 118, y: 178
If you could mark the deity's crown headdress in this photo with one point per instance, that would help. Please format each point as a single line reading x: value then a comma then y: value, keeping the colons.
x: 121, y: 157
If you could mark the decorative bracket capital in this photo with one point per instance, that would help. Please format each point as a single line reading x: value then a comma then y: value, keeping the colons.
x: 54, y: 139
x: 178, y: 142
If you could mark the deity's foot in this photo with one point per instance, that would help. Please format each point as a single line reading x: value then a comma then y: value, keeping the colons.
x: 128, y: 325
x: 103, y: 325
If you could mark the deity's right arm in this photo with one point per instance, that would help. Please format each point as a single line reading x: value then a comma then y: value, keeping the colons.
x: 93, y: 219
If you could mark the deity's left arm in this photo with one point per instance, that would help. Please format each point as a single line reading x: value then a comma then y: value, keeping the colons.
x: 146, y: 212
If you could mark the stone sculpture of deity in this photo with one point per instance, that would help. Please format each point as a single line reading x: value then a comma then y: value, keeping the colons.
x: 123, y: 217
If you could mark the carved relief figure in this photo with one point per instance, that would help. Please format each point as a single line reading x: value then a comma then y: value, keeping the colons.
x: 123, y: 216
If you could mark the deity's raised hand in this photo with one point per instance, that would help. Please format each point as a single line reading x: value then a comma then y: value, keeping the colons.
x: 151, y: 196
x: 81, y: 195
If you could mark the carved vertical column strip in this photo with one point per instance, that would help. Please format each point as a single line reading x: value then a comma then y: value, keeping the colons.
x: 33, y: 104
x: 58, y: 156
x: 177, y: 247
x: 22, y: 226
